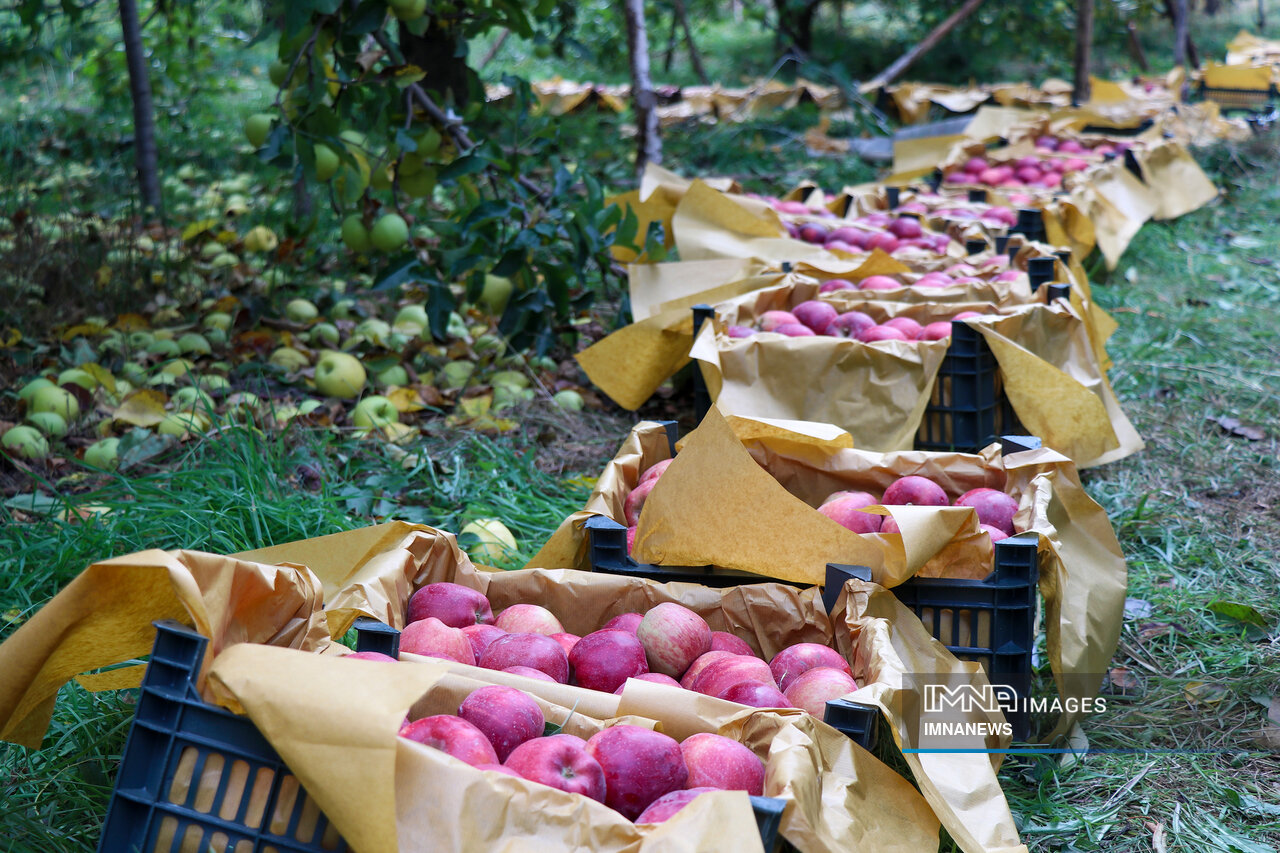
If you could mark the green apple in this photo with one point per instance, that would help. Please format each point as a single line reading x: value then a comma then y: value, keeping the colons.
x: 339, y: 374
x: 412, y: 315
x: 192, y: 399
x: 420, y: 184
x: 181, y: 424
x: 342, y: 309
x: 457, y: 327
x: 214, y: 384
x: 393, y: 375
x: 327, y: 162
x: 194, y: 343
x: 389, y: 233
x: 301, y: 311
x: 489, y: 344
x: 278, y: 73
x: 51, y: 424
x: 375, y: 411
x: 26, y: 442
x: 164, y: 347
x: 496, y: 294
x: 513, y: 378
x: 226, y: 259
x: 569, y: 400
x: 505, y: 396
x: 289, y: 358
x: 326, y: 333
x: 495, y: 540
x: 354, y: 234
x: 374, y: 330
x: 55, y: 399
x: 413, y: 9
x: 104, y: 454
x: 133, y: 372
x: 33, y: 386
x: 218, y: 320
x: 215, y: 337
x: 456, y: 373
x: 76, y: 376
x: 179, y: 367
x: 257, y: 128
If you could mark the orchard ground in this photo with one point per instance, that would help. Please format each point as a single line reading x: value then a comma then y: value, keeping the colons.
x: 1193, y: 724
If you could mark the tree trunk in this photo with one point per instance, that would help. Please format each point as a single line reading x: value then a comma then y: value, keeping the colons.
x: 797, y: 25
x: 144, y: 121
x: 648, y: 143
x: 673, y: 36
x: 682, y: 14
x: 1135, y: 47
x: 1262, y: 14
x: 1179, y: 14
x: 904, y: 62
x: 1084, y: 51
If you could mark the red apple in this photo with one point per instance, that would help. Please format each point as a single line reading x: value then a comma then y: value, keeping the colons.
x: 566, y: 640
x: 715, y: 761
x: 666, y: 806
x: 530, y: 672
x: 673, y: 637
x: 740, y: 331
x: 631, y: 538
x: 938, y: 331
x: 756, y: 695
x: 635, y: 501
x: 639, y: 764
x: 771, y: 320
x: 721, y: 674
x: 907, y: 326
x: 453, y: 735
x: 654, y: 471
x: 847, y: 512
x: 795, y: 660
x: 498, y: 768
x: 995, y: 533
x: 726, y: 642
x: 975, y: 165
x: 812, y: 690
x: 533, y: 650
x: 604, y: 660
x: 378, y: 656
x: 888, y: 525
x: 481, y: 636
x: 795, y: 330
x: 561, y: 761
x: 655, y: 677
x: 529, y: 619
x: 506, y: 716
x: 967, y: 315
x: 624, y: 622
x: 881, y: 333
x: 848, y: 234
x: 433, y: 638
x: 836, y: 284
x: 861, y: 498
x: 814, y: 314
x: 993, y: 507
x: 905, y: 228
x: 879, y: 282
x: 884, y: 242
x: 703, y: 661
x: 915, y: 491
x: 813, y: 233
x: 453, y: 604
x: 848, y: 324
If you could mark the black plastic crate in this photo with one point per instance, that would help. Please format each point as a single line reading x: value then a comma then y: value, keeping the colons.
x: 196, y: 777
x: 967, y: 408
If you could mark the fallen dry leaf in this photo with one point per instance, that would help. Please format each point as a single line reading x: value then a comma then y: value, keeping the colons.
x: 1236, y: 427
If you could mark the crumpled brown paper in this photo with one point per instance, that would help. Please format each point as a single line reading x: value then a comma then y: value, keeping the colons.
x: 104, y: 617
x: 1174, y: 178
x: 335, y: 723
x: 1083, y: 574
x: 761, y: 524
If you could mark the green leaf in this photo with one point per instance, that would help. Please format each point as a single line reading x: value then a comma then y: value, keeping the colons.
x: 1239, y: 612
x: 468, y: 164
x: 408, y: 270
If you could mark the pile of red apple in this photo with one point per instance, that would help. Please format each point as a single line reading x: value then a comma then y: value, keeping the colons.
x: 818, y: 318
x: 995, y: 509
x: 643, y: 774
x: 1054, y: 145
x: 883, y: 231
x: 1034, y: 172
x: 670, y: 644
